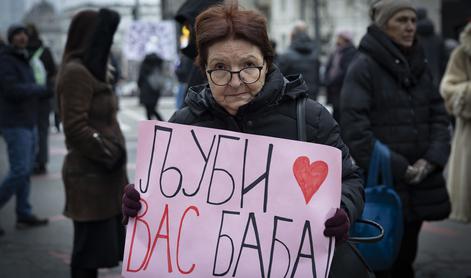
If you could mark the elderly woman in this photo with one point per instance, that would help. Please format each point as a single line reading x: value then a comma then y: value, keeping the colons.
x: 247, y: 93
x: 94, y: 170
x: 388, y: 95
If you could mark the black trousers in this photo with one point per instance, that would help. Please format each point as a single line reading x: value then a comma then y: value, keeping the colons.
x: 151, y: 112
x: 403, y: 266
x: 44, y: 110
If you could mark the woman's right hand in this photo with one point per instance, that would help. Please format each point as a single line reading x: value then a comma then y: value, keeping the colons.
x: 130, y: 205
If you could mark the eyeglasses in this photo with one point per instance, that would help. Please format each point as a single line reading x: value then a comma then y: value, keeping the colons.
x: 248, y: 75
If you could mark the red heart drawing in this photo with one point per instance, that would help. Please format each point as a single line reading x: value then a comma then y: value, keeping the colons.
x: 310, y: 176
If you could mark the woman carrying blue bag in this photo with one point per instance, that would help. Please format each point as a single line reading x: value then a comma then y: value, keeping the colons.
x: 383, y: 205
x: 388, y: 96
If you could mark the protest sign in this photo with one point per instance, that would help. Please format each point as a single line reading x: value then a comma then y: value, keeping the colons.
x: 221, y: 203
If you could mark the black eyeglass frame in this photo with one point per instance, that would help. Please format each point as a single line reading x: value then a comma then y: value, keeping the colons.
x: 238, y: 73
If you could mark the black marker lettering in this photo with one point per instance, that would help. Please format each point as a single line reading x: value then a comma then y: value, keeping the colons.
x: 307, y: 228
x: 217, y: 245
x: 253, y: 222
x: 276, y: 219
x: 206, y: 159
x: 262, y: 177
x: 221, y: 170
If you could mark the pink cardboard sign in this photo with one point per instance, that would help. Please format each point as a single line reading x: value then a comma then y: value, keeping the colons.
x: 220, y: 203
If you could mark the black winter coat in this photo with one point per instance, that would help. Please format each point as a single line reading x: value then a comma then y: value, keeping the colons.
x: 149, y: 94
x: 19, y: 92
x: 434, y: 48
x: 334, y: 83
x: 301, y: 58
x: 390, y: 97
x: 273, y: 113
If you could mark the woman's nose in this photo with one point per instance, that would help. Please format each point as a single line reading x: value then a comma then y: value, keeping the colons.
x: 235, y: 80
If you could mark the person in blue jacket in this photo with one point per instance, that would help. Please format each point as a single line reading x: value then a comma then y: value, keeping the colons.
x: 19, y: 96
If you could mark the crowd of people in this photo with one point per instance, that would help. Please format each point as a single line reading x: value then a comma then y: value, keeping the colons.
x: 399, y: 87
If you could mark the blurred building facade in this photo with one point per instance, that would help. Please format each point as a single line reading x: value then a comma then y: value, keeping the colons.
x: 44, y: 16
x: 10, y: 12
x: 333, y: 15
x: 53, y: 17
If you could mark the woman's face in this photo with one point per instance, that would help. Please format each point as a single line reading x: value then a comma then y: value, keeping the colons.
x: 401, y: 28
x: 235, y: 55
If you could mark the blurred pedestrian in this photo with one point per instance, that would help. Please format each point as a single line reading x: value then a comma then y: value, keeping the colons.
x: 44, y: 69
x: 94, y: 169
x: 433, y: 45
x: 456, y: 90
x: 186, y: 16
x: 247, y: 93
x: 302, y: 58
x: 19, y: 96
x: 151, y: 82
x: 389, y: 96
x: 336, y: 69
x: 182, y: 71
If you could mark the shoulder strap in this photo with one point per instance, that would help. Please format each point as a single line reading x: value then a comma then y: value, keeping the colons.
x: 301, y: 117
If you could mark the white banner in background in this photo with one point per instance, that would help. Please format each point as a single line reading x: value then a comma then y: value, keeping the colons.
x: 145, y: 37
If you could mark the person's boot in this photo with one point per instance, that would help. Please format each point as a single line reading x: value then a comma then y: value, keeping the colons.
x: 30, y: 222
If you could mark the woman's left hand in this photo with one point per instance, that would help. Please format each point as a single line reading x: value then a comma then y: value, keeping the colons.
x: 424, y: 168
x: 338, y: 226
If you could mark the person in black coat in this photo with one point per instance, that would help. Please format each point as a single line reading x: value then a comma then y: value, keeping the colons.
x: 248, y: 93
x: 186, y: 16
x: 302, y: 58
x: 151, y: 83
x: 433, y: 45
x: 37, y: 50
x: 336, y: 69
x: 388, y: 95
x: 182, y: 72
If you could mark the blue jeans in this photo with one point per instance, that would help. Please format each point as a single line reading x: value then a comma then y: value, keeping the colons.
x: 180, y: 99
x: 21, y: 145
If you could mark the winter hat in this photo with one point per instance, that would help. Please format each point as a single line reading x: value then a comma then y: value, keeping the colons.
x: 382, y: 10
x: 15, y: 29
x: 347, y: 35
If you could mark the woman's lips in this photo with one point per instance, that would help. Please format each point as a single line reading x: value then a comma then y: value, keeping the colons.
x: 235, y: 95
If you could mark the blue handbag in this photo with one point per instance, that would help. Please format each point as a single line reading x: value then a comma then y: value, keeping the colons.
x: 382, y: 205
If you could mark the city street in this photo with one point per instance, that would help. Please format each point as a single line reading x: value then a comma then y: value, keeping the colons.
x: 444, y: 250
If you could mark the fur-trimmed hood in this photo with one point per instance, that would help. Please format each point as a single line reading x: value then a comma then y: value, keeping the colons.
x: 465, y: 39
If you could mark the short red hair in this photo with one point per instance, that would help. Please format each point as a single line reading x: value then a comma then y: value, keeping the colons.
x: 225, y: 21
